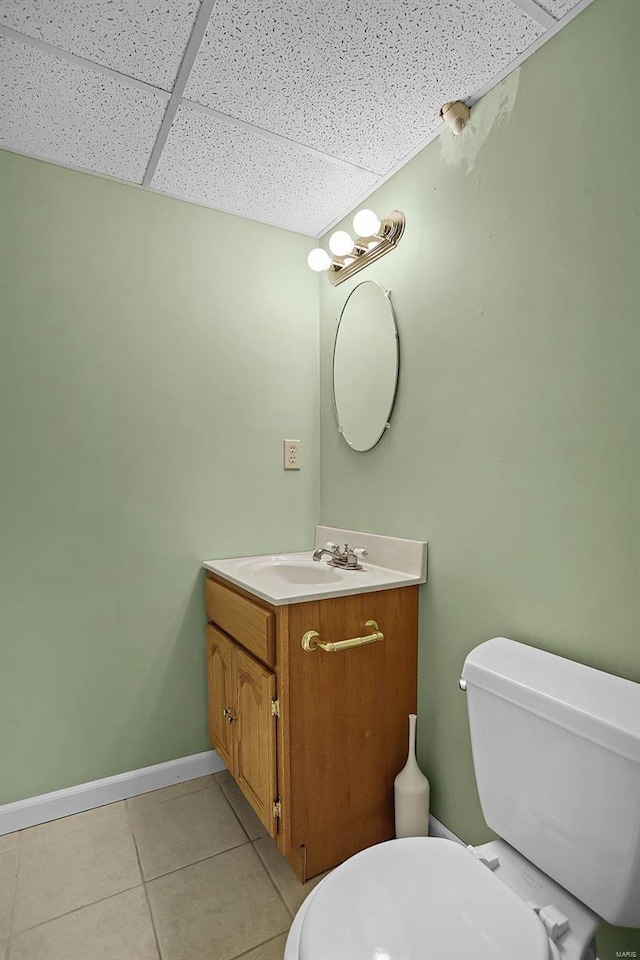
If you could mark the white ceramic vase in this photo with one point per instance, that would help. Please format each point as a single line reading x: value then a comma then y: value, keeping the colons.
x: 411, y: 793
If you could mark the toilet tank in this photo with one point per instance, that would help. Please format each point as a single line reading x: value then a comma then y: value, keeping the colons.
x: 556, y: 751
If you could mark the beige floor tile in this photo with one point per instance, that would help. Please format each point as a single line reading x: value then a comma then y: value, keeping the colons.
x: 67, y: 827
x: 75, y: 870
x: 184, y: 830
x: 169, y: 793
x: 9, y: 841
x: 244, y: 810
x: 218, y: 908
x: 272, y: 950
x: 223, y: 776
x: 115, y: 929
x: 3, y: 949
x: 8, y: 864
x: 292, y: 891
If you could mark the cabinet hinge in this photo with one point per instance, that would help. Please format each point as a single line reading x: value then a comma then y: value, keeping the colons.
x: 276, y: 809
x: 275, y: 707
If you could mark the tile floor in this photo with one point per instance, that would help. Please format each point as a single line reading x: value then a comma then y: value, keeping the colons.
x: 184, y: 873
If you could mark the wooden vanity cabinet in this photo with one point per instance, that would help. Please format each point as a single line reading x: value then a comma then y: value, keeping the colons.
x: 242, y: 724
x: 314, y: 739
x: 222, y: 706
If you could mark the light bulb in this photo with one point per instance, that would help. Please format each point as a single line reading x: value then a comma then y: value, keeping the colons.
x: 340, y: 243
x: 366, y: 223
x: 319, y: 260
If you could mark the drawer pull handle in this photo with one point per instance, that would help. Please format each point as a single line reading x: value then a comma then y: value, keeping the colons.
x: 309, y: 641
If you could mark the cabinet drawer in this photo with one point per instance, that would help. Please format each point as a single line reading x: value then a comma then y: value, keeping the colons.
x: 250, y: 624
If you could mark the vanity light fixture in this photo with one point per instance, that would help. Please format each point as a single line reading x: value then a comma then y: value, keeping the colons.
x: 374, y: 238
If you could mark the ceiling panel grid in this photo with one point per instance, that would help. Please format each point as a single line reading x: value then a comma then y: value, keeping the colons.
x: 253, y: 176
x: 143, y: 39
x: 358, y: 81
x: 61, y: 111
x: 283, y: 112
x: 558, y: 8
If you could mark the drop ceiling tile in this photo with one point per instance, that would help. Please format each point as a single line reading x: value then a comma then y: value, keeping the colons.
x: 557, y: 8
x: 219, y: 164
x: 144, y: 39
x: 361, y: 81
x: 65, y: 113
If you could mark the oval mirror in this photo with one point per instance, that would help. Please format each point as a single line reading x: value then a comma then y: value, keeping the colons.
x: 366, y: 360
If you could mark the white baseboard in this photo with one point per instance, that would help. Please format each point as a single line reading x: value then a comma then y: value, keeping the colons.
x: 86, y: 796
x: 437, y: 829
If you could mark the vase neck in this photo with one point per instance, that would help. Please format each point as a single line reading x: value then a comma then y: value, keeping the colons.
x: 412, y: 734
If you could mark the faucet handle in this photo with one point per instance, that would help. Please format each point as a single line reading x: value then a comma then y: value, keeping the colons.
x: 360, y: 552
x: 330, y: 545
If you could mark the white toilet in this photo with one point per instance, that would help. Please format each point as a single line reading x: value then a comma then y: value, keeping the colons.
x: 556, y: 751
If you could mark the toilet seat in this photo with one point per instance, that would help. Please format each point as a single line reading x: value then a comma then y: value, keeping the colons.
x: 418, y: 899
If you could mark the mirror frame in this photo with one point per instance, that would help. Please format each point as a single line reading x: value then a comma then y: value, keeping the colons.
x: 387, y: 422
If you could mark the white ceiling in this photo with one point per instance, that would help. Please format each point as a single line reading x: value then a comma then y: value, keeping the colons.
x: 285, y: 111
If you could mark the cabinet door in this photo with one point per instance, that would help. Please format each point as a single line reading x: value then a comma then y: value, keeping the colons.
x: 256, y: 736
x: 220, y: 670
x: 344, y: 733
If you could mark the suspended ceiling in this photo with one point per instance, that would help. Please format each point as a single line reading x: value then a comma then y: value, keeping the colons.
x: 288, y: 112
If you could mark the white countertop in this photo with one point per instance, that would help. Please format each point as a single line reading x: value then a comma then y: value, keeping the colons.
x: 297, y: 578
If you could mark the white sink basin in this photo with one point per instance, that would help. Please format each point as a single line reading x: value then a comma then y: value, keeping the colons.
x: 286, y: 570
x: 297, y: 578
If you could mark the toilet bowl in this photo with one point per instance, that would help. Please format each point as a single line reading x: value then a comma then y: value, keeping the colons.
x: 556, y: 749
x: 426, y: 899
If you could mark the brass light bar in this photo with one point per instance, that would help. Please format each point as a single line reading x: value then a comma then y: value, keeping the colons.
x: 391, y: 229
x: 348, y: 256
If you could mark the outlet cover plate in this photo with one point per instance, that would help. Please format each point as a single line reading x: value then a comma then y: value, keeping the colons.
x: 291, y: 451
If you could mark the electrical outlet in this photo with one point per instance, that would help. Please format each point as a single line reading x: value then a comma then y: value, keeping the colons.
x: 291, y: 454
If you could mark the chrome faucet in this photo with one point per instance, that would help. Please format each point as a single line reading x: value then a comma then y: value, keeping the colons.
x: 347, y: 559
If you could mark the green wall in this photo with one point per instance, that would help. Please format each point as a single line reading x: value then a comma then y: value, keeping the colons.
x: 514, y: 446
x: 153, y: 356
x: 150, y: 367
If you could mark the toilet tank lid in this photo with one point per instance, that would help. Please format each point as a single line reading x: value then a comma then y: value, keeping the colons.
x: 592, y: 704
